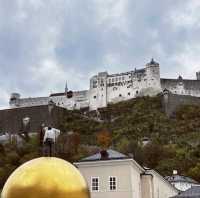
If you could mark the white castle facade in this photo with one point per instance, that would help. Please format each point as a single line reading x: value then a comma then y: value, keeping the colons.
x: 106, y: 88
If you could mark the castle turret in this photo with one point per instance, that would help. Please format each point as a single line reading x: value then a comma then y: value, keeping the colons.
x: 14, y: 100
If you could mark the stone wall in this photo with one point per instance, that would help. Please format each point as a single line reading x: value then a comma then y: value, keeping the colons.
x: 172, y: 101
x: 11, y: 119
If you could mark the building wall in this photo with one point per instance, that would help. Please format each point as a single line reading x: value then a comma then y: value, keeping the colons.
x: 161, y: 187
x: 131, y: 180
x: 182, y: 87
x: 77, y: 101
x: 147, y: 186
x: 128, y: 178
x: 28, y: 102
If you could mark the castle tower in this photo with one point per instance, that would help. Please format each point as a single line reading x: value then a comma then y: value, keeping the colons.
x: 198, y: 75
x: 98, y: 91
x: 153, y: 76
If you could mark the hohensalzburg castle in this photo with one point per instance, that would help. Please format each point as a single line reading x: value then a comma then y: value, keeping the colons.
x: 106, y: 88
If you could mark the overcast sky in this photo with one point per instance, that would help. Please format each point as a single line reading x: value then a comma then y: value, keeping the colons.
x: 43, y: 43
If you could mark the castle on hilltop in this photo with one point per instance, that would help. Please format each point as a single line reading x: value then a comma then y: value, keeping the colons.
x: 111, y: 88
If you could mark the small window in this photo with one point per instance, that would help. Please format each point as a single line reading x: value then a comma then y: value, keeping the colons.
x: 113, y: 183
x: 120, y: 95
x: 137, y: 92
x: 129, y: 93
x: 95, y: 184
x: 94, y: 97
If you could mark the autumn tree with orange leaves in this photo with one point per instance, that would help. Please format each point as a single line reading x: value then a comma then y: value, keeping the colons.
x: 104, y: 139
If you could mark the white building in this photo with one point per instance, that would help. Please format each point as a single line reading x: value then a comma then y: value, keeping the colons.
x: 181, y: 182
x: 111, y: 88
x: 111, y: 174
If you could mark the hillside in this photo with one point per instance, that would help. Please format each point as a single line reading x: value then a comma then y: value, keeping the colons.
x: 174, y: 143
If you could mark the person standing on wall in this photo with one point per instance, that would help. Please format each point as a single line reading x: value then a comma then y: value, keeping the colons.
x: 49, y: 141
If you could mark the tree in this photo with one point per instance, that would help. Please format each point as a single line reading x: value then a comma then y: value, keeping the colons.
x: 153, y: 153
x: 194, y: 172
x: 104, y: 139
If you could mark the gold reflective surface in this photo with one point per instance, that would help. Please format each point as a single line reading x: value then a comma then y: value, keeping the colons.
x: 46, y: 178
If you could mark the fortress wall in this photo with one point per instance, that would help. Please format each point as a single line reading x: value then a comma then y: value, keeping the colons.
x: 11, y: 119
x: 172, y: 101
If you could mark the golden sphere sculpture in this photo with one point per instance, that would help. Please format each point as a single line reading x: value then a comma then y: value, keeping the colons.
x: 46, y: 177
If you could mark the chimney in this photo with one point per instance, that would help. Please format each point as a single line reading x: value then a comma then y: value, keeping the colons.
x: 104, y: 155
x: 175, y: 172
